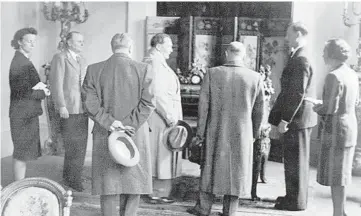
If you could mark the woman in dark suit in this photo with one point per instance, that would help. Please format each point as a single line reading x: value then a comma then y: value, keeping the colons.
x: 25, y: 102
x: 339, y: 123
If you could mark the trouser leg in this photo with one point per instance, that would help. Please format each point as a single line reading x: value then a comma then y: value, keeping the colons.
x: 129, y: 204
x: 230, y: 205
x: 108, y: 205
x: 296, y: 162
x: 75, y: 134
x: 256, y: 166
x: 204, y: 203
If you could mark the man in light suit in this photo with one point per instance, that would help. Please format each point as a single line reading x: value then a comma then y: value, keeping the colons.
x: 67, y: 73
x: 165, y: 163
x: 294, y: 117
x: 118, y: 94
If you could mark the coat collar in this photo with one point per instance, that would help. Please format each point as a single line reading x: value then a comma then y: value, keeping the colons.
x: 233, y: 64
x: 122, y: 55
x: 21, y: 55
x: 297, y: 51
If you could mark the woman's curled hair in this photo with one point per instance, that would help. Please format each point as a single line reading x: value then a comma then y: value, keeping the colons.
x: 338, y: 49
x: 18, y: 36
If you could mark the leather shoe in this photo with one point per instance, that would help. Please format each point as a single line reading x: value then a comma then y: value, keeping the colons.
x: 193, y: 211
x: 152, y: 199
x: 167, y: 200
x: 256, y: 198
x: 283, y: 205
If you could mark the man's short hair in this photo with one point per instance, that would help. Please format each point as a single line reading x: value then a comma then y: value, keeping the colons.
x: 299, y: 27
x: 121, y: 40
x: 70, y: 35
x: 158, y: 39
x: 237, y: 48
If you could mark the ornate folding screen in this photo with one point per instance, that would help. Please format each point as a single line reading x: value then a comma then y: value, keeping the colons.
x: 274, y: 52
x: 249, y: 34
x: 200, y: 42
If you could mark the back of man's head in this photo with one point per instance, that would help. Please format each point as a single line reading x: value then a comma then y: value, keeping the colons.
x: 235, y: 51
x: 121, y: 41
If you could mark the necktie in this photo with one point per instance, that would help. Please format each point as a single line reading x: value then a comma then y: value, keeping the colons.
x: 80, y: 75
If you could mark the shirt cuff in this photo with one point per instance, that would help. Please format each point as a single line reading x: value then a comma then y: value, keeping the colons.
x: 286, y: 122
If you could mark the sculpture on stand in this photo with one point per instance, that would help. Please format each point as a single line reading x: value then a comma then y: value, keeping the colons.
x: 66, y: 13
x: 350, y: 21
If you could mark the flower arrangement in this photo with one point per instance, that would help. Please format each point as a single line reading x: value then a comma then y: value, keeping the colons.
x: 268, y: 88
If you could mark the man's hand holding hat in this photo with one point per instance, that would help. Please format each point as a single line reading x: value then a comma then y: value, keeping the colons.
x: 118, y: 125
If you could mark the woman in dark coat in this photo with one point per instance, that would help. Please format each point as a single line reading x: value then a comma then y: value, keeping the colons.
x: 25, y: 102
x: 339, y: 123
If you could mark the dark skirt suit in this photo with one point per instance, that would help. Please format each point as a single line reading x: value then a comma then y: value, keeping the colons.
x: 339, y: 127
x: 25, y: 108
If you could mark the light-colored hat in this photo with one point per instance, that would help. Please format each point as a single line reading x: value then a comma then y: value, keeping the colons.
x: 122, y: 149
x: 178, y: 137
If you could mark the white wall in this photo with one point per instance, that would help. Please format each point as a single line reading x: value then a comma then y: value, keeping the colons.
x: 105, y: 20
x: 324, y: 20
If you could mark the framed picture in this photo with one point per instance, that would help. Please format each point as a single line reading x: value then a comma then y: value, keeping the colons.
x: 252, y: 46
x: 205, y: 50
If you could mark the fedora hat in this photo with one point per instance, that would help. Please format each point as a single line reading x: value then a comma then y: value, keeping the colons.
x: 122, y: 149
x: 178, y: 137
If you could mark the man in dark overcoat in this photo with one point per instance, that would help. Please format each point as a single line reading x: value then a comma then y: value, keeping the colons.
x: 294, y: 117
x: 118, y: 94
x: 230, y: 112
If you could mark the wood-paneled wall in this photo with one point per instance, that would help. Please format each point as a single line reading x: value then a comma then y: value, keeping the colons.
x: 226, y: 9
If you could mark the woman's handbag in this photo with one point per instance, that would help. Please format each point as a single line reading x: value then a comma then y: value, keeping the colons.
x: 196, y: 152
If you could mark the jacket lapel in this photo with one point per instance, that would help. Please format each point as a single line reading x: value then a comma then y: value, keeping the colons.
x: 72, y: 61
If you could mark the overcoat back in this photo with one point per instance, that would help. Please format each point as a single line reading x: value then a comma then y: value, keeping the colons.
x: 231, y: 109
x: 119, y: 89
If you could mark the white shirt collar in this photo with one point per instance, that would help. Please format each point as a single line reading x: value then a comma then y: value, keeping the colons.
x: 295, y: 50
x: 73, y: 54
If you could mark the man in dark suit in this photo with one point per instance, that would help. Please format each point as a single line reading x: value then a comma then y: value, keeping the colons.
x: 68, y: 70
x: 294, y: 117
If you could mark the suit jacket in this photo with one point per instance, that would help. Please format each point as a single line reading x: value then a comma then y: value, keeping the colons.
x: 66, y: 78
x: 167, y: 88
x: 230, y: 113
x: 296, y: 84
x: 24, y: 101
x: 119, y: 89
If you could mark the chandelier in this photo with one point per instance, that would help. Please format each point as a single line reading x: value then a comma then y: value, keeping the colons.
x: 65, y: 13
x: 356, y: 12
